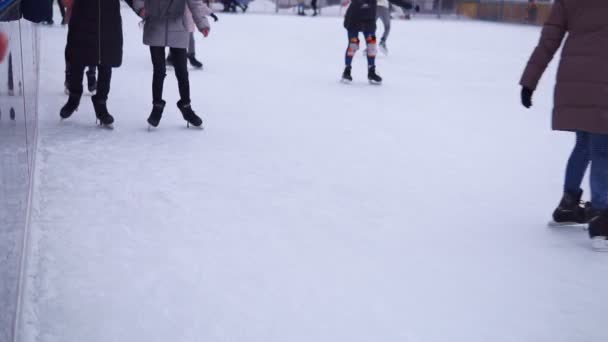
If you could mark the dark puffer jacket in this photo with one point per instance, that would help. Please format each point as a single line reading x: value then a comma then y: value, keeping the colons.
x: 95, y: 33
x: 361, y: 16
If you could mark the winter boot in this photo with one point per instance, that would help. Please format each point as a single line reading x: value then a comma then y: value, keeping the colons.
x: 101, y: 112
x: 70, y: 107
x: 194, y: 62
x: 598, y: 232
x: 571, y: 210
x: 346, y: 76
x: 189, y: 114
x: 372, y: 76
x: 157, y: 113
x: 91, y: 81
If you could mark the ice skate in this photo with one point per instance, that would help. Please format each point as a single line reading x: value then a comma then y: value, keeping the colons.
x: 598, y: 232
x: 373, y: 77
x: 70, y: 107
x: 189, y: 115
x: 194, y: 62
x: 104, y: 119
x: 156, y: 115
x: 346, y: 75
x: 383, y: 48
x: 571, y: 211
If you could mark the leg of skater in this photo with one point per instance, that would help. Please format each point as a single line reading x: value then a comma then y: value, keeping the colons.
x: 91, y: 79
x: 76, y: 74
x: 570, y: 209
x: 192, y: 53
x: 101, y: 97
x: 598, y: 228
x: 351, y: 50
x: 384, y: 14
x: 372, y: 51
x: 181, y: 73
x: 158, y: 80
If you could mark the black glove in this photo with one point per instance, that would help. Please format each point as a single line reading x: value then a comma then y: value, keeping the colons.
x: 215, y: 18
x: 526, y: 97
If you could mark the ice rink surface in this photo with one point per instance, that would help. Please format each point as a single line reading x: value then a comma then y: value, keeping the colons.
x: 309, y: 210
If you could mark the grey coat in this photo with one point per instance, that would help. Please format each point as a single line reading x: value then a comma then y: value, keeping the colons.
x: 165, y: 22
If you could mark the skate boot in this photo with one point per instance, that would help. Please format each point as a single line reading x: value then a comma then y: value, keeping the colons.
x: 383, y: 47
x: 189, y: 114
x: 194, y: 62
x: 571, y: 210
x: 346, y: 76
x: 598, y: 232
x: 101, y: 113
x: 372, y: 76
x: 70, y: 107
x: 157, y: 114
x: 591, y: 213
x: 91, y: 82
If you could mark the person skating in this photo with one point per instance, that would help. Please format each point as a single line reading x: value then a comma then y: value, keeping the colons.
x: 580, y: 105
x: 94, y: 38
x: 192, y: 44
x: 164, y: 27
x: 315, y: 9
x: 301, y: 7
x: 384, y: 14
x: 361, y: 18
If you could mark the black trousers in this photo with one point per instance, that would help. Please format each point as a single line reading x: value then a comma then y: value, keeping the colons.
x: 76, y: 76
x: 179, y: 57
x: 313, y: 4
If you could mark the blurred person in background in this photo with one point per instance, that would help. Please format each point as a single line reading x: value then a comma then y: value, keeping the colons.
x: 313, y: 4
x: 164, y: 27
x: 532, y: 10
x: 189, y: 21
x: 94, y: 38
x: 301, y: 7
x: 361, y: 18
x: 580, y: 106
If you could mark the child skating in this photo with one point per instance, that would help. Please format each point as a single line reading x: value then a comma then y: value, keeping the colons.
x: 361, y: 18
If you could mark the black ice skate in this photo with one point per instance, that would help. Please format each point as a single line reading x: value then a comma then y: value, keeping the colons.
x: 70, y: 107
x: 598, y: 232
x: 346, y: 76
x: 194, y: 62
x: 373, y: 77
x: 157, y: 114
x: 189, y: 115
x: 571, y: 210
x: 91, y: 82
x: 104, y: 118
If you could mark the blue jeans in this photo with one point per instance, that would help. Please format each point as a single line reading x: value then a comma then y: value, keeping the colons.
x: 590, y: 148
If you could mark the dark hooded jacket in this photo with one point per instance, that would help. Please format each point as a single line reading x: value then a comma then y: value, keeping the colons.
x: 95, y: 33
x: 361, y: 16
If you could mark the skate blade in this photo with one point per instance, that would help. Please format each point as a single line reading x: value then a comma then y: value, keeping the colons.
x: 553, y: 224
x: 375, y: 83
x: 599, y: 244
x: 104, y: 126
x: 200, y: 128
x: 345, y: 81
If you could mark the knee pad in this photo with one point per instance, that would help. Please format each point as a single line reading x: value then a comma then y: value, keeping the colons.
x: 372, y: 46
x: 353, y: 46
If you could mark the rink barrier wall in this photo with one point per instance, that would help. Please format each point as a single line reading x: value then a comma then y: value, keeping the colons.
x: 505, y: 11
x: 18, y: 140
